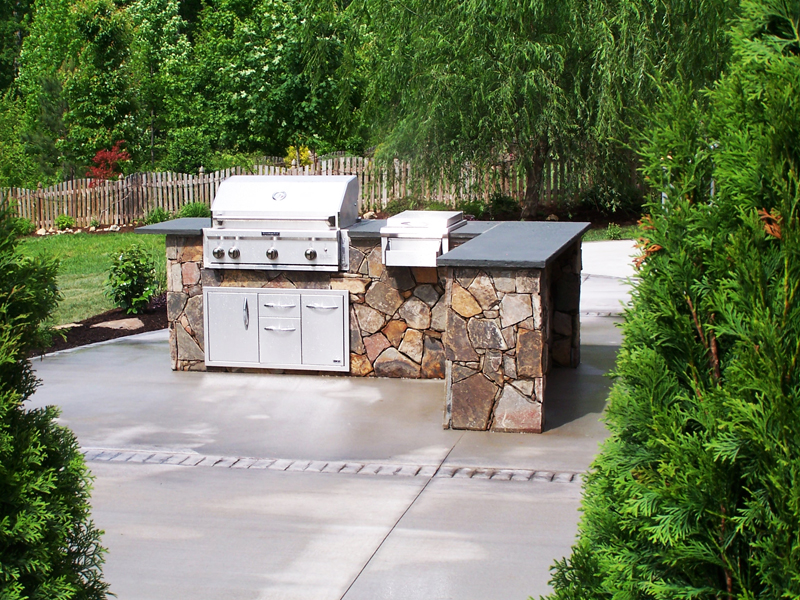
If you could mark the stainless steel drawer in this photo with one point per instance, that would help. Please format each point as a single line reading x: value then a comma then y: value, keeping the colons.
x: 279, y: 341
x: 279, y: 305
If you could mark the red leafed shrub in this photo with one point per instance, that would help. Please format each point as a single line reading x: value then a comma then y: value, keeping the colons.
x: 106, y: 163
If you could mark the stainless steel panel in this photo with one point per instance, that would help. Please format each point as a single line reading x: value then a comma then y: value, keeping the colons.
x: 252, y: 246
x: 410, y: 252
x: 324, y: 330
x: 231, y: 326
x: 279, y: 305
x: 279, y: 341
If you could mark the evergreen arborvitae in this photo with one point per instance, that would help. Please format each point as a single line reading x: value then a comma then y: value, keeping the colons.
x: 696, y: 494
x: 49, y: 548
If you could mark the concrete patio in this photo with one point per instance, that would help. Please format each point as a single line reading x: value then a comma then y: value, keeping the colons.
x: 359, y: 495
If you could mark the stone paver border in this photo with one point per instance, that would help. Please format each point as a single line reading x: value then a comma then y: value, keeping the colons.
x: 186, y: 459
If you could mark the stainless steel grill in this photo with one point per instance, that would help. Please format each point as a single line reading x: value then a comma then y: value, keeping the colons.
x: 281, y: 223
x: 416, y: 238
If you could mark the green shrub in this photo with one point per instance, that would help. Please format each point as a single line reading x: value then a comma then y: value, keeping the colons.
x: 194, y: 209
x: 157, y: 215
x: 503, y: 208
x: 132, y: 279
x: 49, y: 547
x: 398, y: 205
x: 64, y: 222
x: 23, y: 226
x: 475, y: 208
x: 95, y: 222
x: 695, y: 493
x: 614, y: 231
x: 611, y: 200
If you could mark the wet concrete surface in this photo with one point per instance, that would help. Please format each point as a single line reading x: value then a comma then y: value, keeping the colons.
x: 198, y: 533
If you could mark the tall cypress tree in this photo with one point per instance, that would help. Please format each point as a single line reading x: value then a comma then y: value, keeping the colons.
x: 695, y: 493
x: 49, y: 547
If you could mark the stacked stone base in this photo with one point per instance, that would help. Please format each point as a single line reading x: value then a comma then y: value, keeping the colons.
x: 504, y: 330
x: 492, y: 334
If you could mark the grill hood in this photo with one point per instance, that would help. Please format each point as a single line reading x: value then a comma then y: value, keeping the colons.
x: 331, y: 199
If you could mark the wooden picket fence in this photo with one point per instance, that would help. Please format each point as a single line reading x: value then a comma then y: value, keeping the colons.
x: 129, y: 199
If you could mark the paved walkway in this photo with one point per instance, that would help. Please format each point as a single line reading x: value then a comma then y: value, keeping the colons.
x: 219, y: 485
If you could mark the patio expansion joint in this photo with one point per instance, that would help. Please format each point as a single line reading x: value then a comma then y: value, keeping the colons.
x: 377, y: 469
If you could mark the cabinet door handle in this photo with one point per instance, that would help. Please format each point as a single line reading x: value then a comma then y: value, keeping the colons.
x: 246, y: 315
x: 321, y: 306
x: 280, y: 328
x: 270, y: 305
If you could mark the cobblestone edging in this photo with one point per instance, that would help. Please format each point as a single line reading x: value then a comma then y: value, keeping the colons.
x: 282, y: 464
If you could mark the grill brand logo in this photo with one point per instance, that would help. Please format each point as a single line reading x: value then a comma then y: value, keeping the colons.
x: 278, y: 196
x: 271, y: 233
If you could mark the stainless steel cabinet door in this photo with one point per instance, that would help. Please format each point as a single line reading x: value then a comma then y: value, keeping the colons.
x: 231, y: 327
x: 279, y: 340
x: 323, y: 329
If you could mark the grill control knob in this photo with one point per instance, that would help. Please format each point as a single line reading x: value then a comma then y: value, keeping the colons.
x: 272, y: 253
x: 311, y: 254
x: 218, y: 252
x: 234, y: 252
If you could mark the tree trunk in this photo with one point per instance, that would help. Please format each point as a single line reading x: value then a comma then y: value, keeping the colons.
x: 534, y: 178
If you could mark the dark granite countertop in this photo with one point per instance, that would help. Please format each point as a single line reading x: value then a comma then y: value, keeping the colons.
x: 505, y: 244
x: 187, y: 227
x: 368, y: 228
x: 515, y: 244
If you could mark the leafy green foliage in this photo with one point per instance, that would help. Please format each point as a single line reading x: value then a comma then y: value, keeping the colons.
x: 22, y: 226
x: 194, y: 209
x: 49, y: 547
x: 132, y: 279
x: 64, y: 221
x: 614, y: 231
x: 14, y: 19
x: 157, y: 215
x: 694, y: 495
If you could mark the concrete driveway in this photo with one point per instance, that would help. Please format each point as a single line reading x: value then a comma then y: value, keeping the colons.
x: 218, y: 485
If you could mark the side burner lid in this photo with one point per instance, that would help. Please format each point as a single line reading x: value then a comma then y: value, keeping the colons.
x: 436, y: 221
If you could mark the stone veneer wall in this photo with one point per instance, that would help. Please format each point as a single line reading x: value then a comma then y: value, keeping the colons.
x: 503, y: 330
x: 397, y: 315
x: 488, y: 332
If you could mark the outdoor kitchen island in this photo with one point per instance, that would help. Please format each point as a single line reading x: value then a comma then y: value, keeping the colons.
x: 492, y: 318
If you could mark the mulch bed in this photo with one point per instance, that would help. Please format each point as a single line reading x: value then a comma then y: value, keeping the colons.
x: 153, y: 319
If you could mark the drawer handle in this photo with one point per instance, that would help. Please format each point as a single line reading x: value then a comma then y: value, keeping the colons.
x: 280, y: 329
x: 321, y: 306
x: 269, y: 305
x: 246, y: 315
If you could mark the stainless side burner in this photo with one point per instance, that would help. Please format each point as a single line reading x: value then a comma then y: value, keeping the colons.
x: 416, y: 238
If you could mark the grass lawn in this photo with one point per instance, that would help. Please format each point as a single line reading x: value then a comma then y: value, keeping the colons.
x: 627, y: 232
x: 84, y: 267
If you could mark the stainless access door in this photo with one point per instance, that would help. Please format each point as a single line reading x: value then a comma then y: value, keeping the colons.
x: 323, y: 333
x: 231, y: 326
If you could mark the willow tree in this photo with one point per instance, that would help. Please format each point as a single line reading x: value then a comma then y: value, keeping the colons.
x: 469, y: 82
x: 632, y: 47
